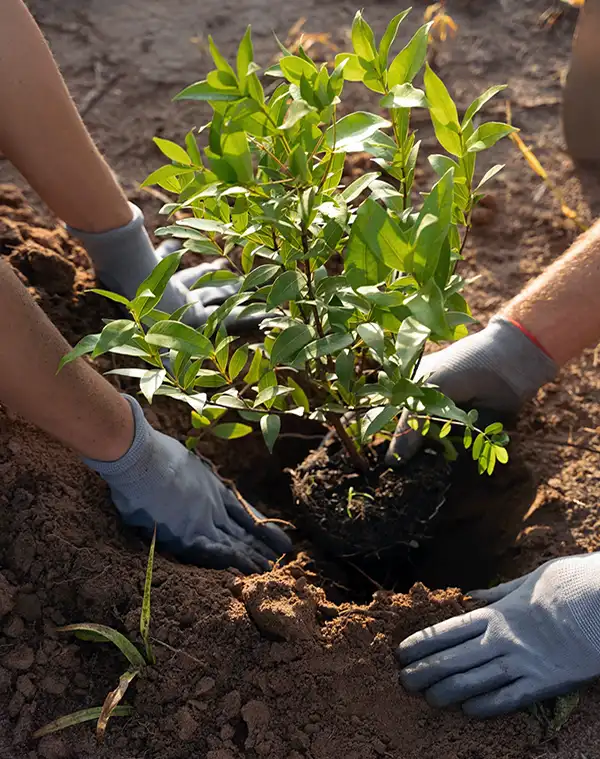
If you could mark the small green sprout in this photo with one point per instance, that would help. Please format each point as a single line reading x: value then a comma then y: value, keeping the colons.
x: 137, y: 664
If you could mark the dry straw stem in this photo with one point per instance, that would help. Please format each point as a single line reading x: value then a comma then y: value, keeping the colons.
x: 538, y: 169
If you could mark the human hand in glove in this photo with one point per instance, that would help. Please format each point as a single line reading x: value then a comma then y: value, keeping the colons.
x: 538, y: 638
x: 125, y: 257
x: 158, y: 481
x: 497, y: 369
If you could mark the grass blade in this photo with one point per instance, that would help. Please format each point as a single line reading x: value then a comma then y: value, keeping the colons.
x: 146, y: 607
x: 112, y: 636
x: 76, y: 718
x: 111, y: 702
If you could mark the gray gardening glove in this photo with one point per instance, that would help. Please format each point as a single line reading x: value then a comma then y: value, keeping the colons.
x: 158, y: 481
x: 539, y: 638
x: 497, y: 369
x: 124, y: 257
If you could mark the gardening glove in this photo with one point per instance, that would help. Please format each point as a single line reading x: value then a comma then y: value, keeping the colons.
x: 124, y: 257
x: 497, y: 369
x: 539, y: 638
x: 158, y: 481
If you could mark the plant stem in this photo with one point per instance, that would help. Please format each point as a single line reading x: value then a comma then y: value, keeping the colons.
x: 359, y: 461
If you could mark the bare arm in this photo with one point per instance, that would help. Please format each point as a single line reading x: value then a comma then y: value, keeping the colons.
x: 562, y: 306
x: 42, y: 134
x: 77, y: 405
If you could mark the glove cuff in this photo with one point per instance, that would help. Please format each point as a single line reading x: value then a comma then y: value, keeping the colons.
x: 583, y: 598
x: 137, y: 449
x: 112, y: 237
x: 523, y: 364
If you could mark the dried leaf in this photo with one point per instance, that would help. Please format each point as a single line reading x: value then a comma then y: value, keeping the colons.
x: 76, y: 718
x: 112, y: 701
x: 529, y: 156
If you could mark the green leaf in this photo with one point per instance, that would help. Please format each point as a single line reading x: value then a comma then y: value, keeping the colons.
x: 209, y: 415
x: 111, y: 296
x: 238, y: 361
x: 119, y: 332
x: 352, y: 130
x: 172, y: 150
x: 151, y: 290
x: 376, y: 244
x: 363, y: 39
x: 410, y: 340
x: 125, y: 646
x: 290, y: 342
x: 209, y: 378
x: 270, y: 425
x: 245, y: 57
x: 218, y: 277
x: 352, y: 70
x: 270, y: 393
x: 84, y: 346
x: 427, y: 305
x: 388, y: 38
x: 359, y: 185
x: 179, y: 337
x: 77, y: 718
x: 344, y: 368
x: 326, y: 346
x: 487, y: 135
x: 440, y: 102
x: 431, y: 228
x: 297, y: 111
x: 478, y: 446
x: 230, y: 400
x: 288, y: 286
x: 231, y: 430
x: 298, y: 395
x: 219, y: 60
x: 204, y: 91
x: 151, y: 381
x: 407, y: 64
x: 146, y: 615
x: 298, y: 163
x: 373, y: 336
x: 253, y: 374
x: 404, y: 96
x: 492, y: 429
x: 491, y: 458
x: 236, y: 151
x: 479, y: 102
x: 443, y: 113
x: 501, y: 454
x: 294, y: 68
x: 490, y: 174
x: 445, y: 431
x: 260, y: 276
x: 376, y: 419
x: 467, y: 438
x: 166, y: 177
x: 192, y: 149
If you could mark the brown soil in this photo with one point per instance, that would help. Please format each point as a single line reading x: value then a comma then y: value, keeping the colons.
x: 267, y: 667
x: 439, y: 523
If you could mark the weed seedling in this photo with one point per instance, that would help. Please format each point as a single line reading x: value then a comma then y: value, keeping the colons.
x: 352, y: 494
x: 138, y: 662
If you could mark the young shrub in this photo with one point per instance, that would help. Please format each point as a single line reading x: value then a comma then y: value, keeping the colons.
x: 353, y: 281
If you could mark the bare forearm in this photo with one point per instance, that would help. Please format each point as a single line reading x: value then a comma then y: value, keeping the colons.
x: 42, y: 134
x: 562, y: 306
x: 77, y: 405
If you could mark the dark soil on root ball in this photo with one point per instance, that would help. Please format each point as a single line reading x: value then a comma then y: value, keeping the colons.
x: 427, y: 520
